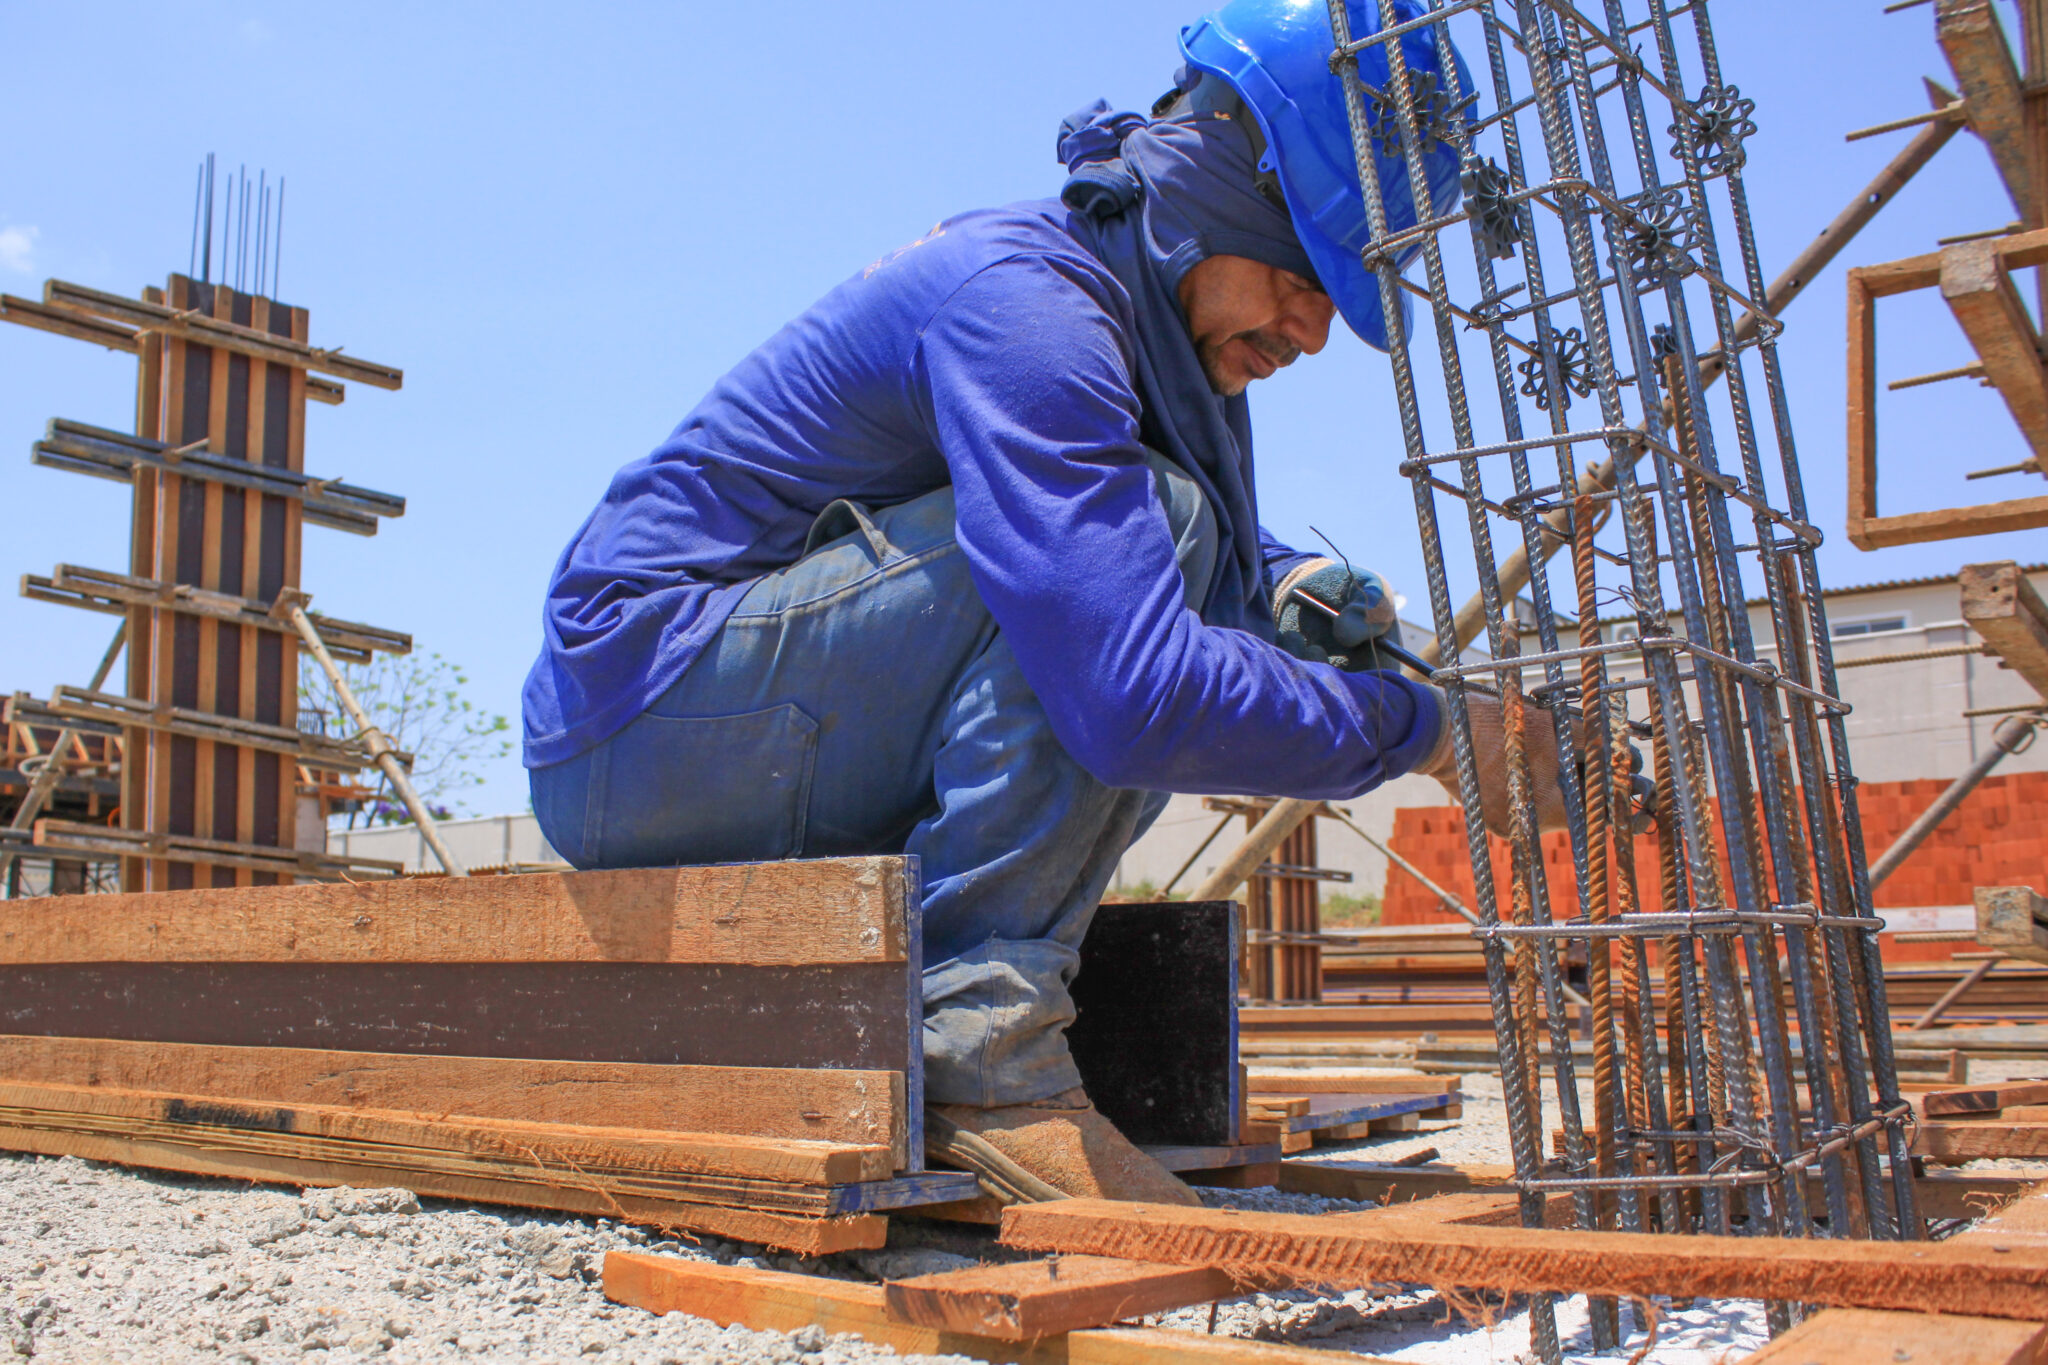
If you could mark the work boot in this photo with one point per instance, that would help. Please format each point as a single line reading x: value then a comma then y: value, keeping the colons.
x: 1053, y: 1149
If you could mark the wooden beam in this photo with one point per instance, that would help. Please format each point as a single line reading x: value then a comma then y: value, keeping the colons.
x: 540, y: 1146
x: 827, y: 910
x: 2002, y: 605
x: 1987, y: 307
x: 2014, y: 920
x: 104, y: 708
x: 772, y: 1300
x: 862, y: 1108
x: 1352, y: 1083
x: 1986, y: 1138
x: 117, y: 456
x: 1859, y: 1336
x: 1952, y: 523
x: 1943, y: 1194
x: 1916, y: 1276
x: 1026, y: 1300
x: 185, y: 1135
x: 852, y: 1015
x: 564, y: 1191
x: 1982, y: 1099
x: 58, y: 837
x: 1995, y: 101
x: 219, y: 333
x: 113, y: 594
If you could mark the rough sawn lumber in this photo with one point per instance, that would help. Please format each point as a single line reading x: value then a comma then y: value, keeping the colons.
x: 863, y: 1108
x: 1030, y: 1299
x: 1859, y: 1336
x: 828, y: 910
x: 771, y: 1300
x: 569, y: 1193
x: 1971, y: 1141
x: 1982, y: 1099
x: 541, y: 1146
x: 1940, y: 1277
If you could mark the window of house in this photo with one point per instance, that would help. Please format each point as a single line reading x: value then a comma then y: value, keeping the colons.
x: 1869, y: 625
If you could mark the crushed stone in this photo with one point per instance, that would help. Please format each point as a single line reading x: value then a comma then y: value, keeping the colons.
x: 102, y: 1264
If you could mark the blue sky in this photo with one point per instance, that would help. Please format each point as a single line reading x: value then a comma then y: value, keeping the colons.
x: 565, y: 222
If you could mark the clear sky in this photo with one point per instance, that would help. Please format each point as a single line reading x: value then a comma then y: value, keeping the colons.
x: 564, y: 222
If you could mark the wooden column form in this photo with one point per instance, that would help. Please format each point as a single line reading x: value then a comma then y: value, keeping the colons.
x: 230, y: 540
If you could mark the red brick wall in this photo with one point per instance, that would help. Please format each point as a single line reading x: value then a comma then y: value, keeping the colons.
x: 1998, y: 838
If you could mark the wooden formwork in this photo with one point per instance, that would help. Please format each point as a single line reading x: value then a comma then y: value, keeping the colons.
x: 208, y: 712
x: 1980, y: 1298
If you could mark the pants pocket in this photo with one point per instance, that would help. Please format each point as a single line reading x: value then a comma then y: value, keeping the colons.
x: 707, y: 789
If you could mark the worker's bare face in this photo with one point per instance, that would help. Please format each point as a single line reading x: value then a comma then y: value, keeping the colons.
x: 1249, y: 319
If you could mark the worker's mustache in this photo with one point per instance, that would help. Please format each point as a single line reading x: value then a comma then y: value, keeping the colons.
x: 1277, y: 349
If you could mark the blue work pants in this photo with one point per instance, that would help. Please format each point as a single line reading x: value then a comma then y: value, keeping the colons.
x: 863, y: 701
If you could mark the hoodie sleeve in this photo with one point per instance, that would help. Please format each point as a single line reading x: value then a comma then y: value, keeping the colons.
x: 1027, y: 390
x: 1280, y: 559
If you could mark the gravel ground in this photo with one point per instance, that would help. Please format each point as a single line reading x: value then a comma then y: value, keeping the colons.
x: 100, y: 1263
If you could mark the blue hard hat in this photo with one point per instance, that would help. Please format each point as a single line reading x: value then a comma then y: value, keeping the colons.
x: 1275, y: 54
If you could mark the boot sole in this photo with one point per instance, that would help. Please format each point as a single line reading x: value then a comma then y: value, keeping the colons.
x: 1002, y: 1178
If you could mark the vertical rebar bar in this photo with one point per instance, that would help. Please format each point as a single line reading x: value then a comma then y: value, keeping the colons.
x: 1699, y: 1113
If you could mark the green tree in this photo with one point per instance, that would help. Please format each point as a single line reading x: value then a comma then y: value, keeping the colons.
x: 419, y: 701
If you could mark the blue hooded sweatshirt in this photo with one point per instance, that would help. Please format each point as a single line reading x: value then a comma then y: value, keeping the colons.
x: 1026, y: 355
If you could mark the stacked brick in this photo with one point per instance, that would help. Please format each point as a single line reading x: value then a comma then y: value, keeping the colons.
x: 1999, y: 837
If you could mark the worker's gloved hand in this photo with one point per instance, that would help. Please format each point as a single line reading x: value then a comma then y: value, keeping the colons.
x: 1489, y: 753
x: 1328, y: 613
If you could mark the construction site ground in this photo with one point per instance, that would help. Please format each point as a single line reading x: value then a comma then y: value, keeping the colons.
x: 104, y: 1263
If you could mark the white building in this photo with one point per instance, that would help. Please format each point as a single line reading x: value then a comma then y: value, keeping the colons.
x: 1916, y: 718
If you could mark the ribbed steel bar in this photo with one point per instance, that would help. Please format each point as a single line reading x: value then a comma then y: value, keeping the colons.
x: 1762, y: 922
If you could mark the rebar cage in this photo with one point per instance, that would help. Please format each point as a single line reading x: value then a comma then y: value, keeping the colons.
x: 1605, y: 137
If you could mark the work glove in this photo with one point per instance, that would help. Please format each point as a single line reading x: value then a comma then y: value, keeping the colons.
x: 1489, y: 753
x: 1330, y: 613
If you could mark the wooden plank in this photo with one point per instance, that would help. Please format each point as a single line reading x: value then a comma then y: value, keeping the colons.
x: 1026, y: 1300
x: 218, y: 333
x: 1995, y: 102
x: 1981, y: 295
x: 1946, y: 1194
x: 1218, y: 1157
x: 569, y: 1194
x: 848, y: 1015
x: 1858, y: 1336
x: 2011, y: 919
x: 2001, y: 604
x: 544, y: 1160
x: 1862, y: 404
x: 773, y: 1300
x: 1970, y: 1141
x: 1350, y: 1083
x: 864, y: 1108
x: 1943, y: 1277
x: 1983, y: 1099
x: 586, y: 1147
x: 1855, y: 1336
x: 786, y: 914
x: 1155, y: 1033
x: 114, y: 594
x: 1157, y: 1346
x: 1915, y: 528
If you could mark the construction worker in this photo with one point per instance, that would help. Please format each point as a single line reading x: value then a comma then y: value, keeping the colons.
x: 965, y: 562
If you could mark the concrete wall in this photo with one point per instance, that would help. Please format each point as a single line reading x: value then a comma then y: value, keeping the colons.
x: 491, y: 841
